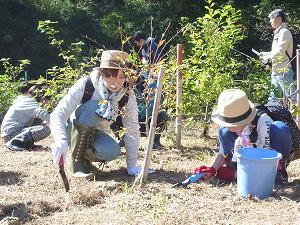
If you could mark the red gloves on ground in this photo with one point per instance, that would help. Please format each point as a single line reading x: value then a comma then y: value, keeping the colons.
x: 209, y: 171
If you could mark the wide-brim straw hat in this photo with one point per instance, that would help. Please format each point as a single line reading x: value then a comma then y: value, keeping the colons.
x: 113, y: 59
x: 234, y: 109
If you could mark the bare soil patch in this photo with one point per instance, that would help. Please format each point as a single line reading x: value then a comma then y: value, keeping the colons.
x: 31, y: 189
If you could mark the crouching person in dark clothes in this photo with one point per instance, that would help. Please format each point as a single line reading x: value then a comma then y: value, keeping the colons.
x: 18, y: 130
x: 88, y: 110
x: 151, y: 53
x: 146, y: 109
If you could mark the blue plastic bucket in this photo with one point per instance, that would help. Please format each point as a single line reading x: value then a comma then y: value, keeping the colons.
x: 256, y: 171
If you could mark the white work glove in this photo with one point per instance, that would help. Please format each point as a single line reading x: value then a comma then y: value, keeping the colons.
x: 264, y: 55
x: 144, y: 61
x: 135, y: 170
x: 59, y: 148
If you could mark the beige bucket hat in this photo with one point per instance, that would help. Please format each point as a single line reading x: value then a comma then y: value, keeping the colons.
x: 113, y: 59
x: 234, y: 109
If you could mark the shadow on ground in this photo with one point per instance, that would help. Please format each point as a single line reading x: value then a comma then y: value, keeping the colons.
x: 290, y: 191
x: 167, y: 176
x: 119, y: 175
x: 26, y: 212
x: 10, y: 178
x: 15, y: 210
x: 160, y: 176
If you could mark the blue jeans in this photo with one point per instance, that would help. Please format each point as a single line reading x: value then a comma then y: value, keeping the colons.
x: 280, y: 137
x: 105, y: 146
x: 284, y: 83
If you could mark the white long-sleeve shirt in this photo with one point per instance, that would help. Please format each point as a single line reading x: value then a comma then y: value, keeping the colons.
x: 73, y: 99
x: 21, y: 114
x: 263, y: 131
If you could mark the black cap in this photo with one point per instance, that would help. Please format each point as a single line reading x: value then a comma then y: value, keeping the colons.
x: 139, y: 35
x: 277, y: 13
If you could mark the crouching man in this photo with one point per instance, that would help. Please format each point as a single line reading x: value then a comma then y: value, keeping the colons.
x: 94, y: 102
x: 19, y: 130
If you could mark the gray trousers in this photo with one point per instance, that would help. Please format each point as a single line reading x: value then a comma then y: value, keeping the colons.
x: 38, y: 132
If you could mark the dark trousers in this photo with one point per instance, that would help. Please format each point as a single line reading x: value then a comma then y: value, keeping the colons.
x: 280, y: 137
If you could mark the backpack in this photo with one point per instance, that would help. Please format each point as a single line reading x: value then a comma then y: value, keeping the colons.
x: 277, y: 112
x: 292, y: 58
x: 89, y: 90
x: 117, y: 125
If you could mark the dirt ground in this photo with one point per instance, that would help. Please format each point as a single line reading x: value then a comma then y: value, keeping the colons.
x: 31, y: 189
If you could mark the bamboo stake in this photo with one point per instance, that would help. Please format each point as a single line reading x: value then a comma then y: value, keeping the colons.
x: 179, y: 96
x: 298, y: 84
x: 142, y: 178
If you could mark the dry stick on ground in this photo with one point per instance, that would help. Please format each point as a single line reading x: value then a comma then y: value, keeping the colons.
x: 142, y: 178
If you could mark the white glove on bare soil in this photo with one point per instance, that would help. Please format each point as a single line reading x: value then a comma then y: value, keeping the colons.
x: 135, y: 170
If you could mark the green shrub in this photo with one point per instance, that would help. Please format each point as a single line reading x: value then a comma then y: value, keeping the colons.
x: 75, y: 64
x: 211, y: 63
x: 9, y: 83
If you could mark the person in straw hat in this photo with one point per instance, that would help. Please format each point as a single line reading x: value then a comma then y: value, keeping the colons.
x: 235, y: 115
x: 83, y: 117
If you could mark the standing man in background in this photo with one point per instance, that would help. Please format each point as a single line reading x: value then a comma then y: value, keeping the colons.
x: 282, y: 49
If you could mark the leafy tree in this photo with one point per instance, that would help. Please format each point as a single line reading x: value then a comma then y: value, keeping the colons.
x: 210, y: 68
x: 75, y: 64
x: 212, y: 65
x: 9, y: 83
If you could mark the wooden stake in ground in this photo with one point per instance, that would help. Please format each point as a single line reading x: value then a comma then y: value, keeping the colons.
x: 142, y: 178
x: 298, y: 83
x: 179, y: 96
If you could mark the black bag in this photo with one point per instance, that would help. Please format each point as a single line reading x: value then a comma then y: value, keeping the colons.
x: 296, y: 45
x: 277, y: 112
x: 89, y: 90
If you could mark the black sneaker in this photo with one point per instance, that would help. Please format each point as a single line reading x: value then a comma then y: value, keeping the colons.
x: 158, y: 146
x: 18, y: 143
